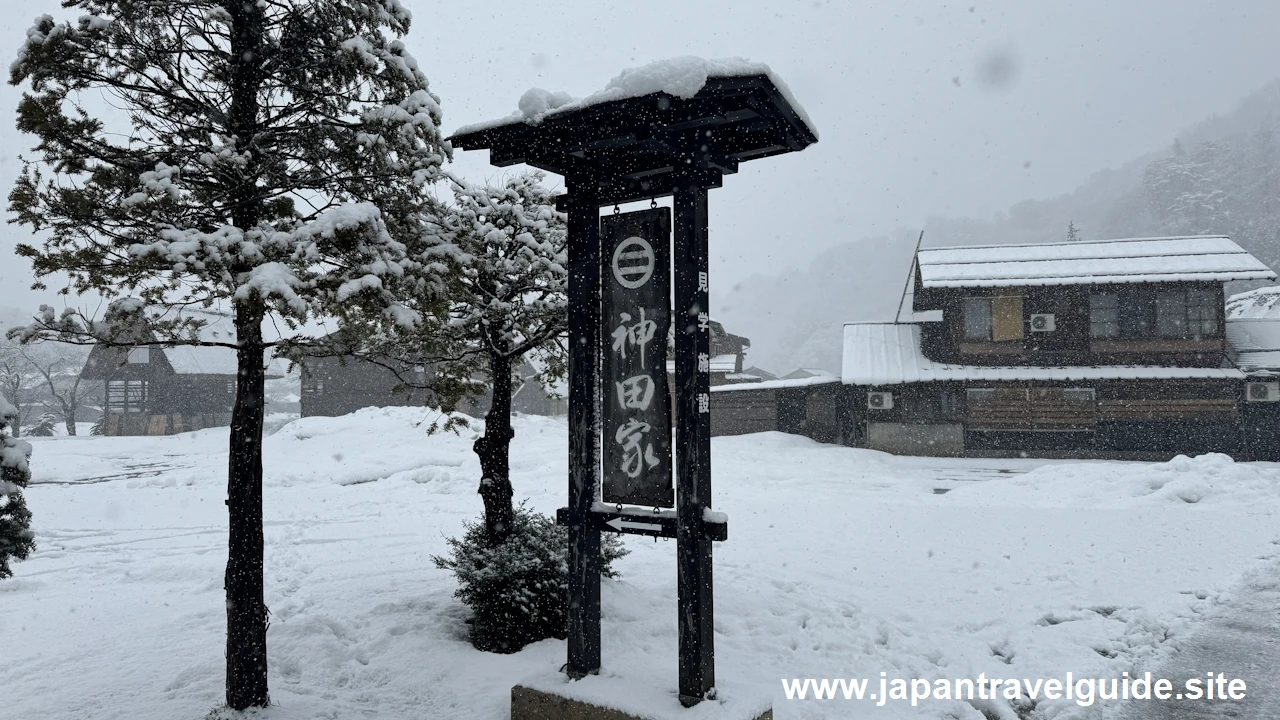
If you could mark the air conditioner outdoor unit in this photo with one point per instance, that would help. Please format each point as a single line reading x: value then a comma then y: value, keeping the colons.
x: 880, y: 401
x: 1262, y: 391
x: 1043, y: 323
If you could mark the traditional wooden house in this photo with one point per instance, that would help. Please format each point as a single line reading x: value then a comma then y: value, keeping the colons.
x: 155, y: 390
x: 1073, y: 349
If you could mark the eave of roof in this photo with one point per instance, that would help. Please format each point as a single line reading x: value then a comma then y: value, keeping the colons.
x: 880, y: 354
x: 1211, y: 258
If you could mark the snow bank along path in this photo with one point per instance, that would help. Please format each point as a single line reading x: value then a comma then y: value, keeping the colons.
x: 840, y: 563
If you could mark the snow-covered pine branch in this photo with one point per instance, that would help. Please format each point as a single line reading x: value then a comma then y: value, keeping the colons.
x: 16, y: 538
x: 502, y: 251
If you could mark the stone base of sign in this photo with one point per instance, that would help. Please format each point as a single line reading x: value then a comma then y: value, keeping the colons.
x: 543, y: 704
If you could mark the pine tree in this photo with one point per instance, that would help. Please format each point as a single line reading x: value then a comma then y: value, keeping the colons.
x: 44, y: 426
x: 1073, y: 233
x: 507, y: 247
x: 16, y: 539
x: 274, y: 162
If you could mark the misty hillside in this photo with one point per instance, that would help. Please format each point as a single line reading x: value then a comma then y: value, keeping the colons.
x: 1220, y: 176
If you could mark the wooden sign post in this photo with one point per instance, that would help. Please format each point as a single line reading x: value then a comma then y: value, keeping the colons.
x: 620, y: 270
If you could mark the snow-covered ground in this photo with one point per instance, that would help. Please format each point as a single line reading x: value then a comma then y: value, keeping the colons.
x: 840, y: 563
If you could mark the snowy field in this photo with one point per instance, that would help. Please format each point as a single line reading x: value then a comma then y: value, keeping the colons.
x: 840, y: 563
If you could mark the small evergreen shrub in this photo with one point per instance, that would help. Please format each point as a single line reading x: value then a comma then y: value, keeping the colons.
x: 16, y: 539
x: 99, y: 426
x: 517, y: 590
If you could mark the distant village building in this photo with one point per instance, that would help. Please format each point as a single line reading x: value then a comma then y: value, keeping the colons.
x: 759, y: 373
x: 725, y: 361
x: 748, y: 400
x: 802, y: 373
x: 154, y: 390
x: 1073, y: 349
x: 339, y: 385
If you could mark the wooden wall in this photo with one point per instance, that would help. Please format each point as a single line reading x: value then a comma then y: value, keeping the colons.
x: 813, y: 411
x: 1012, y: 343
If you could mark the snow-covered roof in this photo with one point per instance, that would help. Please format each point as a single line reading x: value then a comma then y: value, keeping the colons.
x: 1254, y: 344
x: 778, y: 384
x: 889, y: 354
x: 1263, y: 302
x: 719, y: 364
x: 1205, y: 258
x: 681, y: 77
x: 205, y: 359
x: 801, y: 373
x: 724, y: 363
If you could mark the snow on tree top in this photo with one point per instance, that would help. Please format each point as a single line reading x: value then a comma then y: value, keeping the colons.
x: 8, y: 413
x: 681, y: 77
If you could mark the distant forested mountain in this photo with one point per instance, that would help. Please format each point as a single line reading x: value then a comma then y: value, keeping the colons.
x: 1220, y: 177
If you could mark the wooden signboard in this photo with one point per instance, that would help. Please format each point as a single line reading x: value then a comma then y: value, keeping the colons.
x: 636, y: 401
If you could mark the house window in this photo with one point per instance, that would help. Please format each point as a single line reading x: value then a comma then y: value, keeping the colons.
x: 139, y: 355
x: 979, y: 395
x: 977, y: 318
x: 126, y: 396
x: 1079, y: 395
x: 231, y: 386
x: 949, y: 404
x: 994, y: 318
x: 1186, y: 313
x: 310, y: 385
x: 1202, y: 312
x: 1104, y: 315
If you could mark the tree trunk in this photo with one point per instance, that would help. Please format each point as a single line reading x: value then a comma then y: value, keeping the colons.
x: 246, y: 610
x: 493, y: 450
x: 69, y: 419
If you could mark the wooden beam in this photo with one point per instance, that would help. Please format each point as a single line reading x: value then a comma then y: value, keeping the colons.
x: 693, y: 441
x: 584, y: 343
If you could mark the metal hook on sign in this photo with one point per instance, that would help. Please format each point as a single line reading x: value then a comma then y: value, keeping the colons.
x: 653, y: 203
x: 616, y: 209
x: 619, y: 507
x: 657, y: 510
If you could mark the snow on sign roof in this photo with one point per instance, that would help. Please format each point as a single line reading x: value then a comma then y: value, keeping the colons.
x: 1210, y: 258
x: 680, y: 77
x: 889, y: 354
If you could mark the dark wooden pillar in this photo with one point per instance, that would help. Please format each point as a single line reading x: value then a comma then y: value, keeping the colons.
x: 584, y: 373
x: 693, y: 440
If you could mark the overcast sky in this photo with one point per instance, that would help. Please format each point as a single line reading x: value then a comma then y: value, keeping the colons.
x: 923, y: 108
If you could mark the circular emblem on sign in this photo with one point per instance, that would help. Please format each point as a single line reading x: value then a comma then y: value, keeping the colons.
x: 633, y: 262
